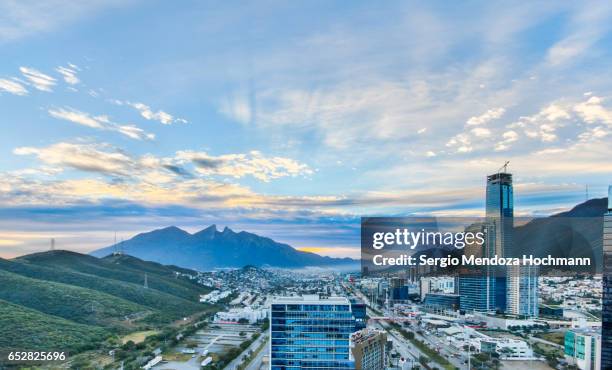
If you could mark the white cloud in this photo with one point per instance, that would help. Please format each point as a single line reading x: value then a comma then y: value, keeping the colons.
x: 508, y: 138
x: 544, y: 124
x: 253, y: 164
x: 587, y: 26
x: 481, y: 132
x: 490, y: 115
x: 106, y: 159
x: 23, y: 18
x: 593, y: 134
x: 147, y: 113
x: 461, y: 143
x: 39, y: 80
x: 237, y: 108
x: 69, y: 74
x: 12, y: 87
x: 91, y: 158
x: 593, y: 111
x: 100, y: 122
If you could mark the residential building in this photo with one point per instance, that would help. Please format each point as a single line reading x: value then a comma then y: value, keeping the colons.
x: 368, y: 349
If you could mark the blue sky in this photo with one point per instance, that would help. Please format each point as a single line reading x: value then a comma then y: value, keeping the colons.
x: 292, y: 119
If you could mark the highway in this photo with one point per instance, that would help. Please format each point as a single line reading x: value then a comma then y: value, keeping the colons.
x: 238, y: 360
x: 257, y: 361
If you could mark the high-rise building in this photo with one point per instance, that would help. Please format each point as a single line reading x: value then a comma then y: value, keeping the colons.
x: 606, y: 315
x: 368, y: 349
x: 478, y: 286
x: 398, y: 290
x: 518, y: 293
x: 310, y: 332
x: 523, y: 290
x: 582, y: 349
x: 500, y: 215
x: 358, y: 308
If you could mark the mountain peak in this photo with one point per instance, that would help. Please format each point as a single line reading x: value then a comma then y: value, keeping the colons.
x: 209, y: 249
x: 207, y: 233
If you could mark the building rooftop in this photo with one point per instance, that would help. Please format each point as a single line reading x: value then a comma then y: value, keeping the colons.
x: 365, y: 334
x: 310, y: 299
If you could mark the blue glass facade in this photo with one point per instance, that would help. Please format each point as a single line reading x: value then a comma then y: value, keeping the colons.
x: 311, y: 333
x: 359, y: 312
x: 606, y: 314
x: 500, y: 214
x: 442, y: 301
x: 482, y: 289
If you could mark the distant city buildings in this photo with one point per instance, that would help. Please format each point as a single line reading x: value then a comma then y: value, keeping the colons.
x: 583, y: 348
x: 311, y: 331
x: 436, y: 284
x: 606, y: 315
x: 368, y: 349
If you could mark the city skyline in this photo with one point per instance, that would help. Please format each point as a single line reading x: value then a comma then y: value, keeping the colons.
x: 292, y: 121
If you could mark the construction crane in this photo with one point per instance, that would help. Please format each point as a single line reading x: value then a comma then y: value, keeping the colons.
x: 504, y: 167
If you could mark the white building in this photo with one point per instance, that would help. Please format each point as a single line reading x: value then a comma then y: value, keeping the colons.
x: 436, y: 284
x: 252, y: 315
x: 583, y: 349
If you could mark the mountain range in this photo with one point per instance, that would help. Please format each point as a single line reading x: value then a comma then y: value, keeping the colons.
x: 211, y: 248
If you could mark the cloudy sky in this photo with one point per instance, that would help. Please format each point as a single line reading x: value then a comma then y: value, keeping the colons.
x: 292, y: 119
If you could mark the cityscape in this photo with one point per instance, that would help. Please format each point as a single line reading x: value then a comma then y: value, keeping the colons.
x: 316, y: 185
x: 412, y: 318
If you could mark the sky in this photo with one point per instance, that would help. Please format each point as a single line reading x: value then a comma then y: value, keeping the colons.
x: 292, y: 119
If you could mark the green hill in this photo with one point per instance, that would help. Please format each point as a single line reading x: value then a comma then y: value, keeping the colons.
x: 70, y: 301
x: 167, y: 306
x: 74, y: 303
x: 23, y: 328
x: 122, y: 268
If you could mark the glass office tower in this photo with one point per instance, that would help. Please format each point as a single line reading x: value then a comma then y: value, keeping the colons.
x: 606, y: 315
x: 311, y: 332
x: 500, y: 214
x: 478, y: 286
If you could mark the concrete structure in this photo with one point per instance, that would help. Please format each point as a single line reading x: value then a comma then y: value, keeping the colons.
x: 437, y: 284
x: 583, y: 349
x: 368, y: 349
x: 251, y: 315
x: 502, y: 321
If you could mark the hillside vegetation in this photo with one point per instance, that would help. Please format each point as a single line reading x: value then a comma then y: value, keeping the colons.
x: 70, y: 301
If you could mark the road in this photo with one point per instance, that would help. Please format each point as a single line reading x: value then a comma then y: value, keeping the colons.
x: 256, y: 363
x: 238, y: 360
